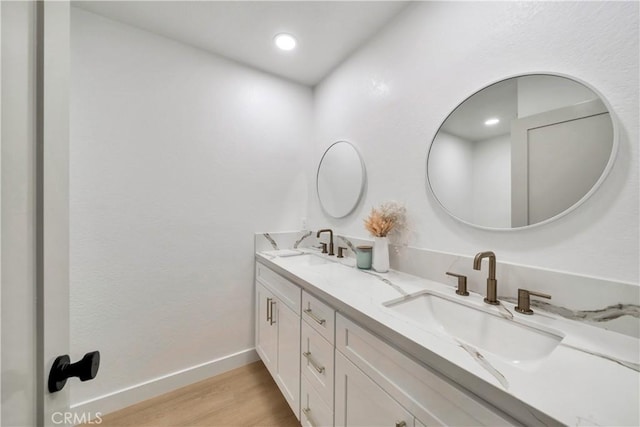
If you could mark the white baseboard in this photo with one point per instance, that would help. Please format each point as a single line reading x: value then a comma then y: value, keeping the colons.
x: 137, y: 393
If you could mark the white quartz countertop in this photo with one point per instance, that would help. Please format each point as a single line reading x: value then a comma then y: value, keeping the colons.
x: 590, y: 378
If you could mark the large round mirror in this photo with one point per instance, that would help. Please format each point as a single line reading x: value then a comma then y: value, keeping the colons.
x: 340, y: 180
x: 521, y: 152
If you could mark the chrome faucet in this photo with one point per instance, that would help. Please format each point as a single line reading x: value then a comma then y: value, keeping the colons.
x: 330, y: 239
x: 492, y: 283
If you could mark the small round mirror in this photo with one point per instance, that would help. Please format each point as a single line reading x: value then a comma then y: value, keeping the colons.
x: 521, y: 152
x: 340, y: 180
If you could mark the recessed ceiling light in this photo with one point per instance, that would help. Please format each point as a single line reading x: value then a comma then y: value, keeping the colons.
x: 285, y: 41
x: 491, y: 122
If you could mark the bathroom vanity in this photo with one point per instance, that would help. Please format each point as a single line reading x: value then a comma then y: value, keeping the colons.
x: 353, y: 347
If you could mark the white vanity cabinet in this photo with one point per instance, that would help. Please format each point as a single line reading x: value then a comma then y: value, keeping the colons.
x: 278, y: 332
x: 428, y: 397
x: 332, y: 371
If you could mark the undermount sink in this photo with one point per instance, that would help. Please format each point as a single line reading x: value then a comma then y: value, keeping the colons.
x: 308, y: 260
x: 508, y: 339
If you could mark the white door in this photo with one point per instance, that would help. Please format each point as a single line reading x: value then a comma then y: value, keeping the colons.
x: 53, y: 210
x: 361, y: 402
x: 575, y: 153
x: 571, y: 145
x: 18, y: 215
x: 0, y: 209
x: 35, y: 231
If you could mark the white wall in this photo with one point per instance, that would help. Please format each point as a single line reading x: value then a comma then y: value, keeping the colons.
x: 491, y: 199
x: 451, y: 164
x: 177, y: 158
x: 18, y: 215
x: 472, y: 179
x: 392, y: 95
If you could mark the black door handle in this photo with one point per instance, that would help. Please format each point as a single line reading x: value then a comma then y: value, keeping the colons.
x: 86, y: 369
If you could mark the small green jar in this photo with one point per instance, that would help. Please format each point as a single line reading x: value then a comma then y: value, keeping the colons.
x: 363, y: 257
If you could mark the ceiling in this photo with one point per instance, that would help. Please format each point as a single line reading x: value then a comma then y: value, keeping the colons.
x: 499, y: 100
x: 327, y: 31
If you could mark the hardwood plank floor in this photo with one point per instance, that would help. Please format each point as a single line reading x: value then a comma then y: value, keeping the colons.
x: 246, y: 396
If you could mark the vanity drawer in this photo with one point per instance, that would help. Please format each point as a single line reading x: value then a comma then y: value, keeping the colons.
x: 285, y: 290
x: 316, y: 359
x: 431, y: 398
x: 313, y: 411
x: 319, y: 315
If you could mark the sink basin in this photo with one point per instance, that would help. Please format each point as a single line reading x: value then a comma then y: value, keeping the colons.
x: 308, y: 260
x: 511, y: 340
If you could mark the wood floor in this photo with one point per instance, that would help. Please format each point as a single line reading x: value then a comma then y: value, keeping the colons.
x: 246, y: 396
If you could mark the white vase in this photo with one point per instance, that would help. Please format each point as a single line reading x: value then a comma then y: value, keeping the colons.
x: 380, y: 254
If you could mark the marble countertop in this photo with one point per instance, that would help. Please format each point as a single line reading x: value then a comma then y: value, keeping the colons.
x: 590, y: 378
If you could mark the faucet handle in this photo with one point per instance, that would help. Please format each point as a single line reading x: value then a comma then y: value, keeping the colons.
x: 324, y: 247
x: 462, y: 283
x: 524, y: 300
x: 341, y: 250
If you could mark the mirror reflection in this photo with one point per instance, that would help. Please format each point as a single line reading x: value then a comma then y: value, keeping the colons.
x: 340, y: 179
x: 521, y: 152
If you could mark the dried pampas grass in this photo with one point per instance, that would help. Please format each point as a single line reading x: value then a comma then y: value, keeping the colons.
x: 389, y: 216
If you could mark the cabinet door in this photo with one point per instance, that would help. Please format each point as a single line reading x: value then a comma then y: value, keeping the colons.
x: 266, y: 331
x: 288, y: 349
x: 313, y: 410
x: 361, y: 402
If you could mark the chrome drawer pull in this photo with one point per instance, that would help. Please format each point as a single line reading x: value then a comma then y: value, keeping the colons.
x: 320, y: 369
x: 306, y: 413
x: 401, y: 424
x: 309, y: 313
x: 272, y: 320
x: 269, y: 310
